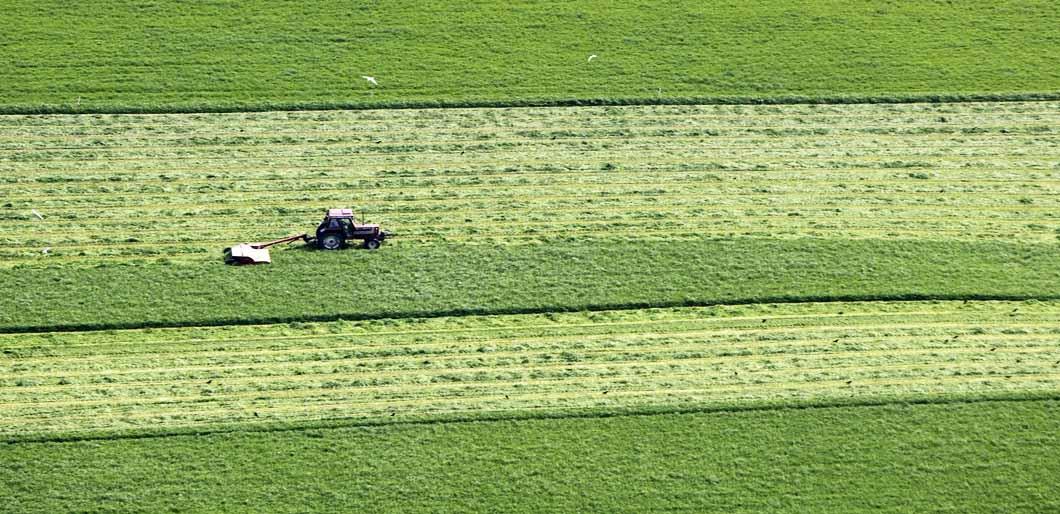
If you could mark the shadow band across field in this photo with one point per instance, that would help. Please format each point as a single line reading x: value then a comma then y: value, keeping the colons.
x: 559, y: 275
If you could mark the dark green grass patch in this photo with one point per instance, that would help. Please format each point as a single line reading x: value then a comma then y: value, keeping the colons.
x: 171, y: 56
x: 453, y: 279
x: 961, y: 457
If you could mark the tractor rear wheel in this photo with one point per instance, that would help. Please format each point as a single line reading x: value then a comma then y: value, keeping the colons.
x: 371, y: 244
x: 331, y: 242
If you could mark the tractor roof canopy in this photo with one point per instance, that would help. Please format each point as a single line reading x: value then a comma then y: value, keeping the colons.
x: 340, y: 213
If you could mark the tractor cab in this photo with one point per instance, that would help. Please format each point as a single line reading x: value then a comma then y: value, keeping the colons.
x: 340, y: 226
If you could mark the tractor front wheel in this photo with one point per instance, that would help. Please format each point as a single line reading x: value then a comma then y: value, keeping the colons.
x: 331, y: 242
x: 371, y: 244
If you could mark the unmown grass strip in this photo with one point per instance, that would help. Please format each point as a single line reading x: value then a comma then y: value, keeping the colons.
x: 244, y: 66
x: 567, y: 275
x: 695, y: 356
x: 986, y: 455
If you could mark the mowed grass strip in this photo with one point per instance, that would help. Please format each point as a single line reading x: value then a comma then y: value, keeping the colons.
x: 183, y: 186
x: 384, y: 370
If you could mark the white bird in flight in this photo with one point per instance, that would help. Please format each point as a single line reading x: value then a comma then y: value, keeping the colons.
x: 371, y: 80
x: 37, y: 214
x: 591, y: 57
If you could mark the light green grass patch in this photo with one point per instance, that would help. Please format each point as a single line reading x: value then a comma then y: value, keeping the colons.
x: 524, y: 365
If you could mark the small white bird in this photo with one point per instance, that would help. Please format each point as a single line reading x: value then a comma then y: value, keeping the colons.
x: 371, y: 80
x: 37, y: 214
x: 46, y: 249
x: 591, y: 57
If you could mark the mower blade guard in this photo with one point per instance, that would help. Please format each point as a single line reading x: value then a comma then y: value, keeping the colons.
x: 246, y: 254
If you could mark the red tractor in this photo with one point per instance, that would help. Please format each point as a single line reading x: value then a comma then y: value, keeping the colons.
x: 335, y: 232
x: 339, y: 228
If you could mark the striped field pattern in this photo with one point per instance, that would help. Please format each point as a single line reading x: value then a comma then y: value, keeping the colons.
x: 385, y: 370
x: 182, y: 186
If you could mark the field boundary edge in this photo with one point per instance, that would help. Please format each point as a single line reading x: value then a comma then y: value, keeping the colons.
x: 483, y: 311
x: 204, y: 108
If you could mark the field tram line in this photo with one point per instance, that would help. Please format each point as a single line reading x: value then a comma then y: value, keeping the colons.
x: 504, y: 158
x: 444, y: 173
x: 179, y: 248
x: 311, y: 173
x: 633, y: 346
x: 277, y: 195
x: 708, y: 318
x: 459, y: 392
x: 825, y: 300
x: 443, y: 350
x: 595, y: 229
x: 630, y: 344
x: 791, y: 203
x: 968, y: 105
x: 612, y: 145
x: 308, y: 380
x: 446, y: 351
x: 472, y: 117
x: 106, y: 224
x: 529, y: 118
x: 798, y: 363
x: 200, y: 254
x: 823, y: 223
x: 689, y: 178
x: 381, y: 408
x: 827, y: 214
x: 544, y: 121
x: 563, y: 138
x: 179, y: 425
x: 935, y: 212
x: 184, y: 248
x: 547, y: 191
x: 698, y: 220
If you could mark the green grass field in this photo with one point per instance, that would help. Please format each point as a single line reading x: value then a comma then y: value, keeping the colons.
x: 757, y: 257
x: 961, y: 457
x: 526, y: 210
x: 131, y: 56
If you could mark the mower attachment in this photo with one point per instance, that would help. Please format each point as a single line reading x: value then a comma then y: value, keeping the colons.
x: 256, y: 253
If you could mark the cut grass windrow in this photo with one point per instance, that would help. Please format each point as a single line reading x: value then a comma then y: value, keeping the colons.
x: 385, y: 370
x: 520, y: 176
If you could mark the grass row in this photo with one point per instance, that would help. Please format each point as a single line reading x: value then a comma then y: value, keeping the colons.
x: 969, y: 457
x: 262, y: 55
x: 448, y: 279
x: 395, y: 370
x: 119, y: 187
